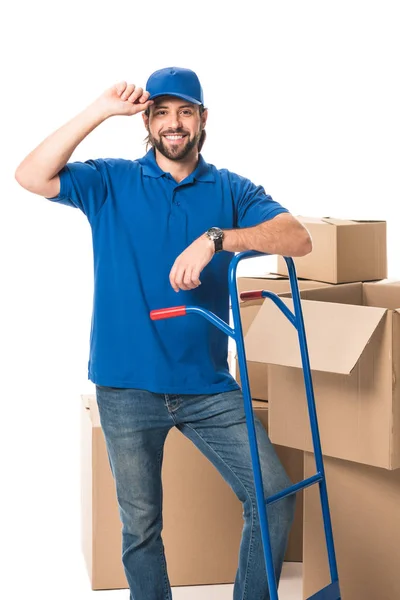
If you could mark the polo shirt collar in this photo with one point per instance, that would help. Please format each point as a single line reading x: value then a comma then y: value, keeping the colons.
x: 202, y: 172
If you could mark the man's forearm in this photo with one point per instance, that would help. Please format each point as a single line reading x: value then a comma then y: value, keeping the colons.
x: 45, y: 161
x: 284, y: 235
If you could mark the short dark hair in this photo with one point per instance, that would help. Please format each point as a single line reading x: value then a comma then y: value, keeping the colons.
x: 202, y: 108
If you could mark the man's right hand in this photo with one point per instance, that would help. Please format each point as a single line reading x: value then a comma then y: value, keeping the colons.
x: 38, y: 172
x: 123, y: 99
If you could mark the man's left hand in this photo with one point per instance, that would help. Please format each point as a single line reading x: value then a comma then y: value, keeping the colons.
x: 185, y: 273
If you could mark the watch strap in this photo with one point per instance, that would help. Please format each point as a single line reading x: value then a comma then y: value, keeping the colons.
x: 218, y: 244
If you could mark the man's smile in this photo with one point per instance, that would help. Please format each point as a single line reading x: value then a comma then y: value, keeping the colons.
x: 175, y: 138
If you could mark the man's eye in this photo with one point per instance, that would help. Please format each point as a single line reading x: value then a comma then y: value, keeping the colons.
x: 187, y: 112
x: 160, y: 112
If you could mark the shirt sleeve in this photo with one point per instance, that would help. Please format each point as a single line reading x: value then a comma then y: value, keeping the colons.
x: 83, y: 186
x: 253, y: 205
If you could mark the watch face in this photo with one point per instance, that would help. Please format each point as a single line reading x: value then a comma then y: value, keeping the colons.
x: 214, y: 233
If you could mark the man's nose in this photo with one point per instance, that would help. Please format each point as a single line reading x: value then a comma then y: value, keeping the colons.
x: 176, y: 120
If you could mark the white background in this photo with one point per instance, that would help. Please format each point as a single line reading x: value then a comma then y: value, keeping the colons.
x: 303, y: 98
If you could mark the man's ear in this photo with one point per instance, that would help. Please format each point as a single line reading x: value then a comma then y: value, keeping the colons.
x: 204, y: 117
x: 145, y: 120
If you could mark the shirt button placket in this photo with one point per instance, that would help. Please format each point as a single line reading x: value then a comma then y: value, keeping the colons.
x: 174, y: 200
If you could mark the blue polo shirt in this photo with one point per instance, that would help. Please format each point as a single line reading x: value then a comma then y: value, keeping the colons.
x: 141, y: 220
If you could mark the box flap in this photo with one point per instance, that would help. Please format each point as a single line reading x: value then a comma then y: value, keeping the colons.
x: 324, y: 220
x: 368, y: 221
x: 333, y: 221
x: 311, y: 220
x: 269, y: 276
x: 385, y: 293
x: 336, y: 335
x: 342, y: 293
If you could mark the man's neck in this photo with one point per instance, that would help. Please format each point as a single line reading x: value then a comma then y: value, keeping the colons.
x: 179, y: 169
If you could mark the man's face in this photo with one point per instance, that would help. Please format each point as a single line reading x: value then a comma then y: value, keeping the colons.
x: 174, y: 126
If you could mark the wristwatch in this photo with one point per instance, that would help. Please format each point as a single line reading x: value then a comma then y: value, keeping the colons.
x: 217, y: 236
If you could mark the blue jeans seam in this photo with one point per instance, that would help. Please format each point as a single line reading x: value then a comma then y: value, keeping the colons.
x: 171, y: 411
x: 250, y: 554
x: 251, y: 504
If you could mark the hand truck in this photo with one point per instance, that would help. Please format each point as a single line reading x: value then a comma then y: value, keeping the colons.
x: 332, y: 591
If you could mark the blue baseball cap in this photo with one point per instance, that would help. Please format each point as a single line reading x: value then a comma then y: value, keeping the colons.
x: 174, y: 81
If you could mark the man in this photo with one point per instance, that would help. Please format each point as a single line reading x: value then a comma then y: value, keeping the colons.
x: 163, y: 225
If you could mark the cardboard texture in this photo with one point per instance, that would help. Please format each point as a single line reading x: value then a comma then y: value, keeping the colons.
x: 364, y: 505
x: 258, y: 372
x: 343, y: 251
x: 198, y: 507
x: 355, y: 360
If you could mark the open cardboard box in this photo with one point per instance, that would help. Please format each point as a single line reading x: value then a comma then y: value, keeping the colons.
x: 279, y: 284
x: 353, y: 336
x: 343, y: 251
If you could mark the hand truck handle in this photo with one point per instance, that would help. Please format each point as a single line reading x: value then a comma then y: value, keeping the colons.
x: 251, y: 295
x: 167, y: 313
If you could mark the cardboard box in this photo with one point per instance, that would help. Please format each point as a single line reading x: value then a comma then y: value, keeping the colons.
x: 353, y: 336
x: 343, y: 251
x: 199, y: 506
x: 258, y: 372
x: 365, y: 511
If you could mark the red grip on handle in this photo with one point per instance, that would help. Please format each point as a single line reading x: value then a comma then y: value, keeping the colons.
x: 167, y: 313
x: 251, y: 295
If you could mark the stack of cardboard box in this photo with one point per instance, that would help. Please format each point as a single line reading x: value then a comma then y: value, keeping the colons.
x: 353, y: 335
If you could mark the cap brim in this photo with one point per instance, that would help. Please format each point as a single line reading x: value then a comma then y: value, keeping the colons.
x: 177, y: 95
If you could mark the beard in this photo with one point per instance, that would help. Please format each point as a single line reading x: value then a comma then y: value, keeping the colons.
x: 178, y: 152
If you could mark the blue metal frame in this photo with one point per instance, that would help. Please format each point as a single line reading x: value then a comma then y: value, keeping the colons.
x: 332, y: 591
x: 297, y: 321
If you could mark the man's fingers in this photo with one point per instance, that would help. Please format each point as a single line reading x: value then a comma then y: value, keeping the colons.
x: 130, y: 88
x: 135, y: 95
x: 191, y: 279
x: 137, y: 108
x: 187, y: 280
x: 146, y: 105
x: 144, y: 97
x: 120, y: 87
x: 172, y: 278
x: 196, y: 278
x: 184, y: 277
x: 181, y: 278
x: 177, y: 278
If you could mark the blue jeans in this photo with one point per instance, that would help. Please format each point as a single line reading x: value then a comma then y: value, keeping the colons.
x: 135, y: 425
